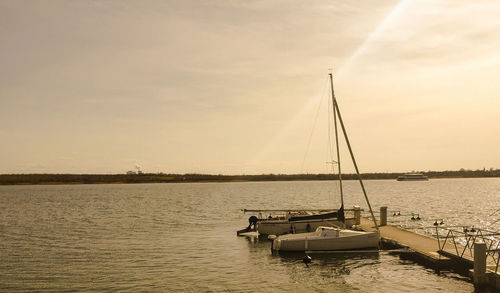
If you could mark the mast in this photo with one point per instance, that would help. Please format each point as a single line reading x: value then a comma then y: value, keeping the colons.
x: 336, y: 109
x: 334, y: 102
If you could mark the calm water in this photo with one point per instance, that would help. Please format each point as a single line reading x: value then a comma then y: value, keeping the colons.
x: 181, y: 237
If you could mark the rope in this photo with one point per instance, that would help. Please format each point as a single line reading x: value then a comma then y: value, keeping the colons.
x: 314, y: 126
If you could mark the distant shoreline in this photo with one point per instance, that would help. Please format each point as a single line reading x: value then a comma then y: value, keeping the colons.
x: 63, y: 179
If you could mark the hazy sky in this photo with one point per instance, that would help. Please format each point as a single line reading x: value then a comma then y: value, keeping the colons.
x: 236, y: 87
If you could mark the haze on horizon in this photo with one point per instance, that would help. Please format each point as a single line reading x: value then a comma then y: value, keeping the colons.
x: 234, y: 87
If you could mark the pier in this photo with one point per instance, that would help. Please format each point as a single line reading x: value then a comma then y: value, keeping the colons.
x: 479, y: 257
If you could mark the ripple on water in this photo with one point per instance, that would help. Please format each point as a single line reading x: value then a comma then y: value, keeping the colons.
x: 181, y: 237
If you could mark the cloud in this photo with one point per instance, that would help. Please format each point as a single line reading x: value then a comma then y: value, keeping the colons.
x: 208, y: 84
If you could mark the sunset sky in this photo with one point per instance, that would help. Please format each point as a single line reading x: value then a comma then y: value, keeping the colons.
x: 240, y: 87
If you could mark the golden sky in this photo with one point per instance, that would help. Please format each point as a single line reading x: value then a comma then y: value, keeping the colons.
x: 236, y: 87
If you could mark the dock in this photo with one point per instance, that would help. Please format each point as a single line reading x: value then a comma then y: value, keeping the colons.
x: 472, y: 252
x: 424, y: 248
x: 441, y: 254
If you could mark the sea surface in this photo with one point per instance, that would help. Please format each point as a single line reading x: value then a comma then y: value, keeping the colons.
x: 182, y: 237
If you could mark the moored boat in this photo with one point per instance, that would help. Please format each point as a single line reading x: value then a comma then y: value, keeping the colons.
x: 302, y: 223
x: 326, y: 238
x: 332, y: 238
x: 279, y: 222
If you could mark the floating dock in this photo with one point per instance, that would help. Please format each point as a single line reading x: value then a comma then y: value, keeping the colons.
x: 421, y: 248
x: 439, y: 253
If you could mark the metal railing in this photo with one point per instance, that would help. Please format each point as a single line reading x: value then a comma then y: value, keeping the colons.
x: 454, y: 240
x: 463, y: 240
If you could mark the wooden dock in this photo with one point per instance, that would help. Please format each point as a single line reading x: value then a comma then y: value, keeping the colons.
x: 425, y: 249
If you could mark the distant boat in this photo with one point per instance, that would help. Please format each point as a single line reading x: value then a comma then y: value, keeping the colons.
x: 412, y: 177
x: 332, y: 238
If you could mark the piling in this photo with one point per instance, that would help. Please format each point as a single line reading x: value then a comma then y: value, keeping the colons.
x: 479, y: 273
x: 357, y: 215
x: 383, y: 216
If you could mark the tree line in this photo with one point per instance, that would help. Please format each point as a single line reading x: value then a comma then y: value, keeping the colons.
x: 15, y: 179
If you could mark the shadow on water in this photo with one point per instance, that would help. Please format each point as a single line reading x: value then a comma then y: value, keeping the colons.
x: 338, y: 258
x: 327, y: 271
x: 349, y: 270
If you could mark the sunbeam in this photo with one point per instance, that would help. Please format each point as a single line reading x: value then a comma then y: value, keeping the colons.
x: 293, y: 122
x: 371, y: 37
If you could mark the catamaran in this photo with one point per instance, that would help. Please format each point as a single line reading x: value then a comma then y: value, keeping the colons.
x: 332, y: 238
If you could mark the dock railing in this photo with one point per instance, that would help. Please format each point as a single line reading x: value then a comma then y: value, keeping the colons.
x: 462, y: 241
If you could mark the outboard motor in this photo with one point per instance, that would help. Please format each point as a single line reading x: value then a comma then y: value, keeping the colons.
x: 307, y: 260
x: 252, y: 221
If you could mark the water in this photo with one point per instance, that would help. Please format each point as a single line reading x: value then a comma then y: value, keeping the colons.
x: 181, y: 237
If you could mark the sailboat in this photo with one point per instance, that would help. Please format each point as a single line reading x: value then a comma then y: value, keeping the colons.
x: 296, y: 221
x: 332, y: 238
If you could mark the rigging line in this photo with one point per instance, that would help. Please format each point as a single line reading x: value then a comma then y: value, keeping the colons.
x: 338, y: 184
x: 329, y: 146
x: 331, y: 161
x: 334, y: 103
x: 314, y: 126
x: 355, y: 165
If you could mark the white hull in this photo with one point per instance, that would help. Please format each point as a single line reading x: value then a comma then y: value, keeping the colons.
x: 280, y: 227
x: 326, y: 238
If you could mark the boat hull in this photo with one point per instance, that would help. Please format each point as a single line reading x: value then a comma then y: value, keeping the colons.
x: 280, y: 227
x: 344, y: 240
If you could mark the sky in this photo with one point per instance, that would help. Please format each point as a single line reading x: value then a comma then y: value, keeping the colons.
x: 241, y: 87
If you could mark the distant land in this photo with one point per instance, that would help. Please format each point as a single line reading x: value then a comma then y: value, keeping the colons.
x: 24, y: 179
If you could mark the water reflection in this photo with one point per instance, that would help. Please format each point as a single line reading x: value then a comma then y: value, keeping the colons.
x: 257, y: 241
x: 328, y: 258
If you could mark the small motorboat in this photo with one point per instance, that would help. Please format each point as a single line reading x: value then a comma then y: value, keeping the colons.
x: 326, y: 238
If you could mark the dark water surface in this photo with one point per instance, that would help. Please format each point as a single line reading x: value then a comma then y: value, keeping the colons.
x: 181, y: 237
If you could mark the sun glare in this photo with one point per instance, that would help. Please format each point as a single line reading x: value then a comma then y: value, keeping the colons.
x: 309, y: 106
x: 371, y: 37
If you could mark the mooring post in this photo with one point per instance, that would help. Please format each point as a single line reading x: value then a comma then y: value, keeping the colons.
x: 479, y: 274
x: 383, y: 216
x: 357, y: 215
